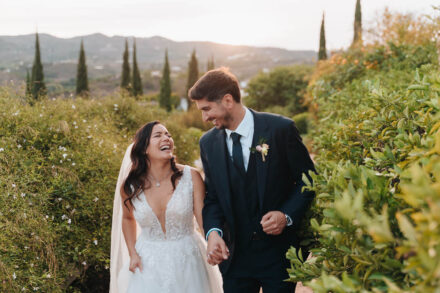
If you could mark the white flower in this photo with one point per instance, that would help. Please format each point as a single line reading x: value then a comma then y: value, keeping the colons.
x: 84, y: 263
x: 63, y: 217
x: 47, y: 217
x: 13, y: 185
x: 61, y: 161
x: 89, y: 136
x: 73, y: 164
x: 84, y: 120
x: 2, y: 149
x: 36, y: 288
x: 23, y: 194
x: 48, y: 276
x: 69, y: 221
x: 73, y: 106
x: 95, y: 199
x: 64, y: 156
x: 74, y: 122
x: 116, y: 105
x: 19, y: 146
x: 95, y: 241
x: 41, y: 115
x: 76, y: 126
x: 14, y: 276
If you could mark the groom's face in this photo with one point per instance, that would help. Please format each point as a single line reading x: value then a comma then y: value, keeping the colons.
x: 215, y: 112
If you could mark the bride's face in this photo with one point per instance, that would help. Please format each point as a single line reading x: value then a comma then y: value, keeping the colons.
x: 161, y: 144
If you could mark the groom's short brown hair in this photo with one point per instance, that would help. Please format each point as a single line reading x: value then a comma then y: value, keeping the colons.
x: 214, y: 84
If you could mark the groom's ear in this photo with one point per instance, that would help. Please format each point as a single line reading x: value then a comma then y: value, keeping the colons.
x: 228, y: 101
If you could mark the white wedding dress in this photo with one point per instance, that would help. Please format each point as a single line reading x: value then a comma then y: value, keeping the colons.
x: 174, y: 260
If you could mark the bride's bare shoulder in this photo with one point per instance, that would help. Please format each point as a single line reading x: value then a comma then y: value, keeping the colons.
x: 180, y: 167
x: 195, y: 174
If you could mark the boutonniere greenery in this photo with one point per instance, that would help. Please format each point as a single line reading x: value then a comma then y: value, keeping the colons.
x: 262, y: 148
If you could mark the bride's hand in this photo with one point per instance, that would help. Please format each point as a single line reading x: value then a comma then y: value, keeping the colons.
x: 135, y: 262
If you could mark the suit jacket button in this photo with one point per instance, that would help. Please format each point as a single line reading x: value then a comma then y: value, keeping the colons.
x: 255, y: 236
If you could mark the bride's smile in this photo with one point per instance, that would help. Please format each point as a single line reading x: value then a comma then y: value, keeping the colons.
x: 161, y: 144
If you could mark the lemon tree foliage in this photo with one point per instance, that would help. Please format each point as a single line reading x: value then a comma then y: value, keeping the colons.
x: 59, y: 161
x: 376, y: 218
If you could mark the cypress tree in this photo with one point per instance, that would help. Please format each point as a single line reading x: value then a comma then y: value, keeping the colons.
x: 137, y: 83
x: 125, y: 78
x: 210, y: 65
x: 37, y: 79
x: 193, y: 73
x: 28, y: 92
x: 357, y: 24
x: 322, y: 54
x: 82, y: 83
x: 165, y: 86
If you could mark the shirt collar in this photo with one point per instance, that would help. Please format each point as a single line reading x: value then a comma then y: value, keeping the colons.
x: 245, y: 125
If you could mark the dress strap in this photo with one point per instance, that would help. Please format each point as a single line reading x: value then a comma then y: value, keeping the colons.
x: 186, y: 172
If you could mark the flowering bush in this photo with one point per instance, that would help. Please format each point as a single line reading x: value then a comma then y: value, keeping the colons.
x: 59, y: 161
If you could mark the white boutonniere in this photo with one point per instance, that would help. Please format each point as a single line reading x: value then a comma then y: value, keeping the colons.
x: 262, y: 148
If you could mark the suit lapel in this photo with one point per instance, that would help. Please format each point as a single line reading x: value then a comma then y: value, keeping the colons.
x: 261, y: 131
x: 219, y: 169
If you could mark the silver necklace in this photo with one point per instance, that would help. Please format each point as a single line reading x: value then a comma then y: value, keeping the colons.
x: 157, y: 184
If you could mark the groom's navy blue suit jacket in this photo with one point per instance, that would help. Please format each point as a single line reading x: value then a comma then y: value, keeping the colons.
x: 279, y: 178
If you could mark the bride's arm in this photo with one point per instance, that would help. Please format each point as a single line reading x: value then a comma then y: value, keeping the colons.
x: 129, y: 231
x: 198, y: 197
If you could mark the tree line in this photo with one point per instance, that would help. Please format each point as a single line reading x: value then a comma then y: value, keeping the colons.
x: 131, y: 81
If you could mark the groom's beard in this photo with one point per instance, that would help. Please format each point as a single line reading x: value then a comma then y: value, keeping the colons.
x: 227, y: 119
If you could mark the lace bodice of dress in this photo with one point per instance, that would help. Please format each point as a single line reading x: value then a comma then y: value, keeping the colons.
x: 178, y: 215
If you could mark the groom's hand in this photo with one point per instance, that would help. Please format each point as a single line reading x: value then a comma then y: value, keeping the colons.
x: 217, y: 249
x: 273, y: 222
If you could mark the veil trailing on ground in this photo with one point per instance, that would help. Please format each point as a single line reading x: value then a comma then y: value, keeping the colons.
x: 119, y: 256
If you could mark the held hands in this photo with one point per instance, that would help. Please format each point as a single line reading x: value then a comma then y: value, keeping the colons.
x: 273, y: 222
x: 217, y: 249
x: 135, y: 262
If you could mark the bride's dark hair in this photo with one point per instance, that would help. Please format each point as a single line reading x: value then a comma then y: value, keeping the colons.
x: 136, y: 179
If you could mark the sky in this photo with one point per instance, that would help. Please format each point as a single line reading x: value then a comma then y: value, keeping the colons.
x: 289, y: 24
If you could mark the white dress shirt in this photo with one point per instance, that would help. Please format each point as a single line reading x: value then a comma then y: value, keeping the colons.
x: 246, y: 130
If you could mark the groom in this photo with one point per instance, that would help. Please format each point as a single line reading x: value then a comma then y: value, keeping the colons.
x: 253, y: 164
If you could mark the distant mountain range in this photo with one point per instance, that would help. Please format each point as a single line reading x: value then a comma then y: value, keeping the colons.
x: 104, y: 56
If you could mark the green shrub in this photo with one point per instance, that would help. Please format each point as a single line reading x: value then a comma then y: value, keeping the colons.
x: 283, y: 86
x: 59, y: 161
x: 378, y: 156
x: 302, y: 122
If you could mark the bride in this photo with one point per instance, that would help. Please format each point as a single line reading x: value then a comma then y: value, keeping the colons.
x: 156, y: 201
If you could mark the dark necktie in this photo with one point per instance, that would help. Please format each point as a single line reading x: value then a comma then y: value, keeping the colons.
x: 237, y: 152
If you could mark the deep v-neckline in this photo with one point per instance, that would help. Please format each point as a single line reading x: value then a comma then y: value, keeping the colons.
x: 166, y: 206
